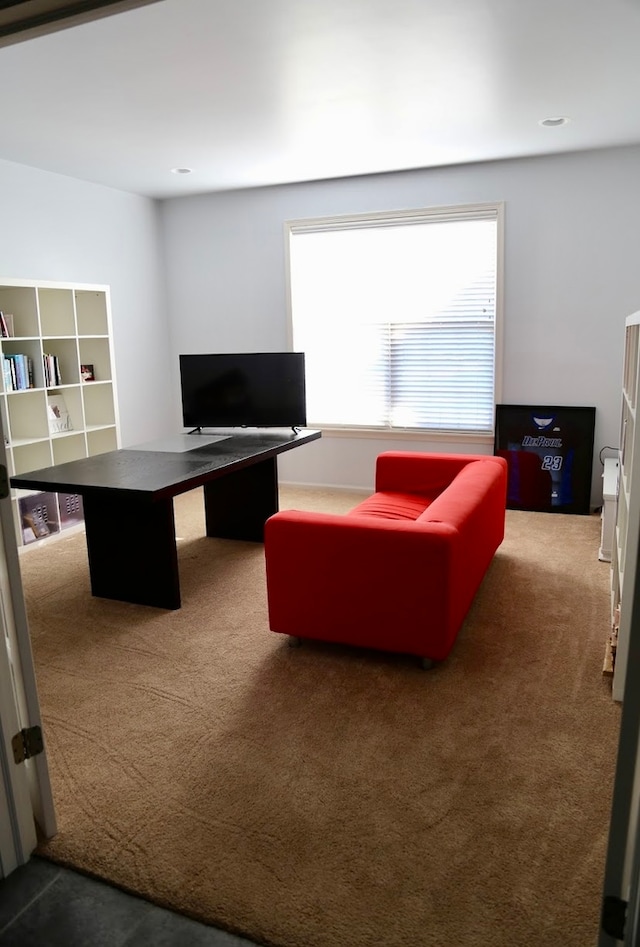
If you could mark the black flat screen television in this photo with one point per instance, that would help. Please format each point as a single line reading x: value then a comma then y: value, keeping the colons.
x: 253, y: 389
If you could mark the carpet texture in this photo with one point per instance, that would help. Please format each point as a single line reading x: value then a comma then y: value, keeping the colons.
x: 323, y: 796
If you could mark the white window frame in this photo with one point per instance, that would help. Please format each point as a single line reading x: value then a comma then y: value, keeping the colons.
x: 444, y: 212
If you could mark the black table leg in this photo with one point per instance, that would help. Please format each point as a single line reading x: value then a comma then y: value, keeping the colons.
x: 131, y: 543
x: 238, y: 504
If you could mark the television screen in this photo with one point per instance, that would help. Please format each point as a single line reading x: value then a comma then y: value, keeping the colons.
x: 257, y: 389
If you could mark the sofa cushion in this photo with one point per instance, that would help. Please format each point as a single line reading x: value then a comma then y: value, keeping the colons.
x: 392, y: 506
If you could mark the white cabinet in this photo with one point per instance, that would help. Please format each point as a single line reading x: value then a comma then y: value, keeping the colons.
x: 54, y: 329
x: 609, y: 507
x: 627, y: 531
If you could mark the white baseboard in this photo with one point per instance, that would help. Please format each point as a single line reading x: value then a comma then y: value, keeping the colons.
x: 345, y: 488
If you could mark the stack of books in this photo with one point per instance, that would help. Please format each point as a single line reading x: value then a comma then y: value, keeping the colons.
x: 17, y: 372
x: 52, y: 376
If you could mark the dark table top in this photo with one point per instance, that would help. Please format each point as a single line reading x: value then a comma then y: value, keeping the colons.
x: 167, y: 467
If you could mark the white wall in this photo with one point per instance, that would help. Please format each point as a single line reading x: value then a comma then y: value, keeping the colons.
x: 571, y: 267
x: 572, y: 274
x: 57, y: 228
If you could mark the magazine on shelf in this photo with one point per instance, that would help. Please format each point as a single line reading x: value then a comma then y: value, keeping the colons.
x: 58, y: 415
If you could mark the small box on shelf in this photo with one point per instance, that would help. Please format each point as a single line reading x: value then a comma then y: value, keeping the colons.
x: 71, y: 510
x: 39, y: 516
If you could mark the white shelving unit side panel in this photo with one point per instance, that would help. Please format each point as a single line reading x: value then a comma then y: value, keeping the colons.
x: 629, y: 482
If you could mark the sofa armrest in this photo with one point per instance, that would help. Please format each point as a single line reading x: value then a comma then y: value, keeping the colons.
x: 424, y: 474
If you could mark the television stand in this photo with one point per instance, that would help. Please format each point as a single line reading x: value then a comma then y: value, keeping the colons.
x: 199, y: 430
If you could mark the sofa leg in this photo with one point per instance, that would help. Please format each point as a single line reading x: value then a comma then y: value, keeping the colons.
x: 294, y: 642
x: 427, y: 663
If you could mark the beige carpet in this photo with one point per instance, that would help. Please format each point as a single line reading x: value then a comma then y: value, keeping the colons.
x: 324, y: 796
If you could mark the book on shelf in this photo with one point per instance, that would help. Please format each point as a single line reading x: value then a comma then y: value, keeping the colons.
x: 6, y: 324
x: 58, y: 415
x: 7, y: 374
x: 21, y: 372
x: 11, y: 362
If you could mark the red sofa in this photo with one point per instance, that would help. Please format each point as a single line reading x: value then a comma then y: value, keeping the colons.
x: 400, y: 570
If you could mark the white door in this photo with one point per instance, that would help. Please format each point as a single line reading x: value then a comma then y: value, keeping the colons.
x: 25, y: 787
x: 17, y: 827
x: 621, y: 889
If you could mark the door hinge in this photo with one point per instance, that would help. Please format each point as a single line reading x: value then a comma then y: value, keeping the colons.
x: 27, y: 743
x: 614, y: 916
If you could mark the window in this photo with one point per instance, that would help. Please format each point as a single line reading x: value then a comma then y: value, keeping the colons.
x: 397, y: 316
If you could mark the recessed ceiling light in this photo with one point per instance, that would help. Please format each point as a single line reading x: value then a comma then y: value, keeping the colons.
x: 554, y: 122
x: 181, y: 170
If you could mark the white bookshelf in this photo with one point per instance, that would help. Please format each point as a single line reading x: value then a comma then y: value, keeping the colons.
x: 627, y: 530
x: 71, y: 321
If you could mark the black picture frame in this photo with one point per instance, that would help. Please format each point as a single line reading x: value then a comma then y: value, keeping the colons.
x: 549, y: 453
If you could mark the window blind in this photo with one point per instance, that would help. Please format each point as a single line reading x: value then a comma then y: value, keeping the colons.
x: 397, y: 316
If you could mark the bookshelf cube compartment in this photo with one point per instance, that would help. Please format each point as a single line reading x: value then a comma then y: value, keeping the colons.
x: 31, y: 374
x: 68, y: 447
x: 70, y: 509
x: 27, y: 416
x: 57, y: 315
x: 66, y: 352
x: 99, y: 442
x: 38, y: 516
x: 96, y: 352
x: 33, y: 456
x: 21, y: 303
x: 69, y: 397
x: 99, y: 409
x: 91, y: 313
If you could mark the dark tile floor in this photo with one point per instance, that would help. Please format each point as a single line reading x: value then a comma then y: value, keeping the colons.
x: 44, y: 905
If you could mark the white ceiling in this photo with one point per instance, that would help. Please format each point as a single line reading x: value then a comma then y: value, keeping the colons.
x: 255, y: 92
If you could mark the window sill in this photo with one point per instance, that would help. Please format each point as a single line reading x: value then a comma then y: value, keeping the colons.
x: 443, y: 437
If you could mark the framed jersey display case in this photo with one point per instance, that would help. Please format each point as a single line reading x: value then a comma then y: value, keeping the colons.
x: 549, y: 453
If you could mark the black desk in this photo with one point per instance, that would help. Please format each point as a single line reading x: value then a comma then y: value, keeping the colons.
x: 128, y: 503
